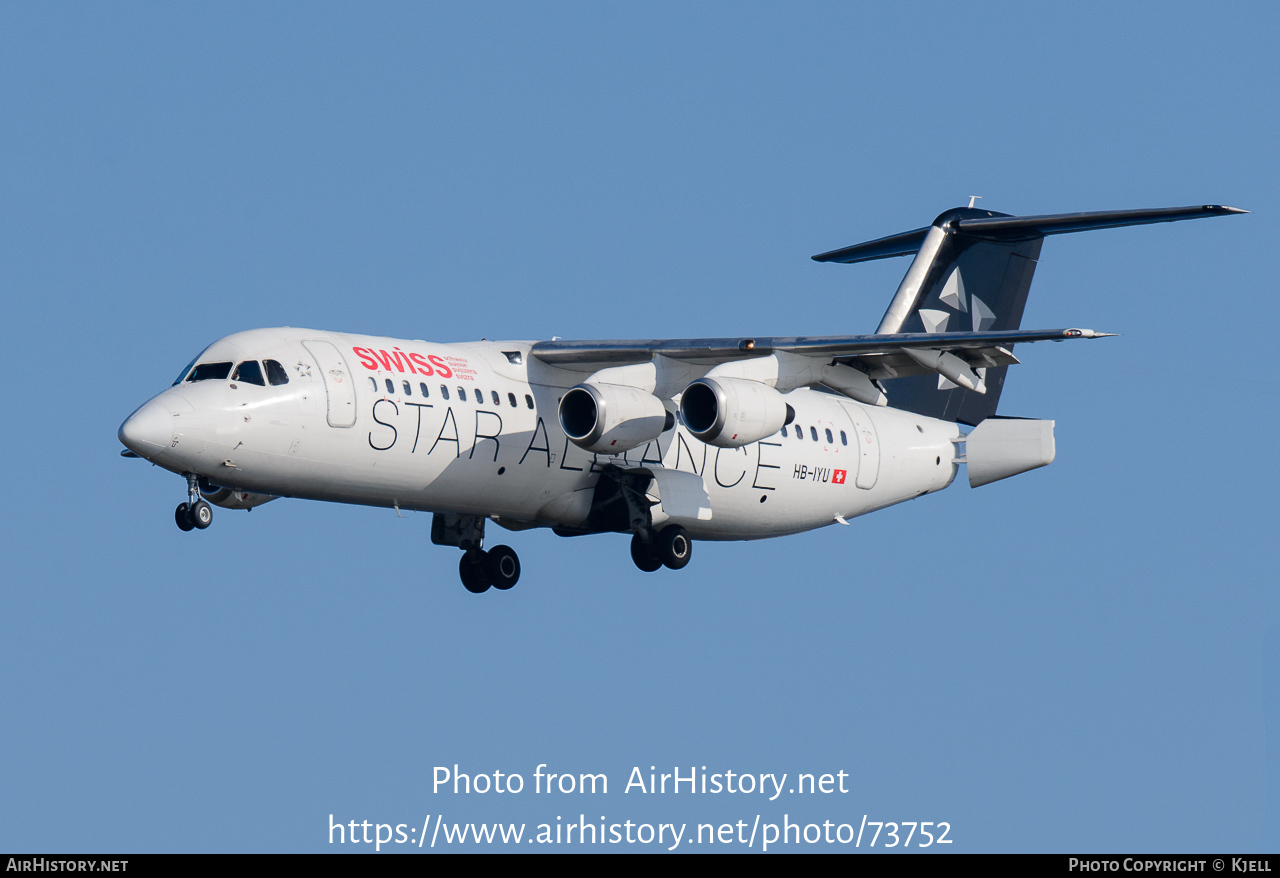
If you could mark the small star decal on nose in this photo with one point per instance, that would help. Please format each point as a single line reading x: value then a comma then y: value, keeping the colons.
x: 303, y: 369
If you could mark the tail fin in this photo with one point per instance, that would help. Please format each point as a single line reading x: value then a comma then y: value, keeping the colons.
x: 971, y: 272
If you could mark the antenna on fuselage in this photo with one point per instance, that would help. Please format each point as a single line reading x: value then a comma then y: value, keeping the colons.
x: 973, y: 198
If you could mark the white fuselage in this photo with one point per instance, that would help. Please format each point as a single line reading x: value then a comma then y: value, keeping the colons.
x: 473, y: 429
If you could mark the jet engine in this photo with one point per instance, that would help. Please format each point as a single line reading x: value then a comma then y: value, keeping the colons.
x: 229, y: 498
x: 612, y: 418
x: 732, y: 412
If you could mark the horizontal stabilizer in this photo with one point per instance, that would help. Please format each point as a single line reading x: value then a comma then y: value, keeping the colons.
x: 881, y: 248
x: 995, y: 226
x: 1013, y: 227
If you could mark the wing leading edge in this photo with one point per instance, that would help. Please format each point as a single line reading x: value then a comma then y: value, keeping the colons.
x: 880, y: 356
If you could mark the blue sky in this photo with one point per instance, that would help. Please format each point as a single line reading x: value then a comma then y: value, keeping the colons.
x: 1081, y: 658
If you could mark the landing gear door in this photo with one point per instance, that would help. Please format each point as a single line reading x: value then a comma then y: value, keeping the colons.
x: 864, y: 431
x: 339, y: 383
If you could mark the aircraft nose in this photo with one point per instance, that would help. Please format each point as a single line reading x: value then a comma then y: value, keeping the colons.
x: 148, y: 430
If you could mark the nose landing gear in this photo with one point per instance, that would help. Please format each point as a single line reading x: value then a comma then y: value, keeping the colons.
x: 195, y: 513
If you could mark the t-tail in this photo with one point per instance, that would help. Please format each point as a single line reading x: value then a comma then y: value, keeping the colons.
x: 971, y: 273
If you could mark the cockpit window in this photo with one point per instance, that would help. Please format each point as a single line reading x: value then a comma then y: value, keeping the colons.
x: 250, y: 373
x: 184, y: 372
x: 276, y: 374
x: 210, y: 372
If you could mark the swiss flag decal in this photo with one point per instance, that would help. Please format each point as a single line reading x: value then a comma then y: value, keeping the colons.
x: 837, y: 477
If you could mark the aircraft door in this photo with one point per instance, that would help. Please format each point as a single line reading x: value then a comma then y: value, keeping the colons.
x: 864, y: 432
x: 339, y: 383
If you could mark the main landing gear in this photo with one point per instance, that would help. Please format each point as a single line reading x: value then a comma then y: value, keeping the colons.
x: 621, y: 502
x: 499, y: 567
x: 195, y: 514
x: 479, y: 570
x: 669, y: 547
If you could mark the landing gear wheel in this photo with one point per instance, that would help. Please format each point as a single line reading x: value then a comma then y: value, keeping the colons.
x: 182, y: 517
x: 502, y: 566
x: 643, y: 554
x: 471, y: 569
x: 201, y: 514
x: 674, y: 546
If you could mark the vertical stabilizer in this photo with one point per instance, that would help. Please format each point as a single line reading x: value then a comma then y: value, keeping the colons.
x: 959, y: 283
x: 971, y: 273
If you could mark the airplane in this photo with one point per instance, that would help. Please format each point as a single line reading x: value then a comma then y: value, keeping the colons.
x: 670, y: 440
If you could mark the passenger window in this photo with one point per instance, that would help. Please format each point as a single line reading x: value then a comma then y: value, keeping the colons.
x: 784, y: 429
x: 408, y: 388
x: 479, y: 395
x: 799, y: 432
x: 374, y: 382
x: 813, y: 433
x: 391, y: 388
x: 210, y: 372
x: 528, y: 400
x: 276, y: 375
x: 462, y: 394
x: 497, y: 400
x: 444, y: 391
x: 831, y: 440
x: 511, y: 398
x: 844, y: 440
x: 250, y: 373
x: 422, y: 385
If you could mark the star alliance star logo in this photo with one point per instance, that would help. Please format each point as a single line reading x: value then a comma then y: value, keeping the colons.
x: 953, y: 296
x: 304, y: 371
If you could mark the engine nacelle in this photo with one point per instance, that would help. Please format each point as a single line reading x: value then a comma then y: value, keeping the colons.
x: 732, y: 412
x: 229, y: 498
x: 612, y: 418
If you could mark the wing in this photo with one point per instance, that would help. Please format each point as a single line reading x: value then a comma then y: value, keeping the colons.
x: 879, y: 356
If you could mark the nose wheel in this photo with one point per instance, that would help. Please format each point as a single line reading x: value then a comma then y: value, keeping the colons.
x: 498, y: 568
x: 195, y: 514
